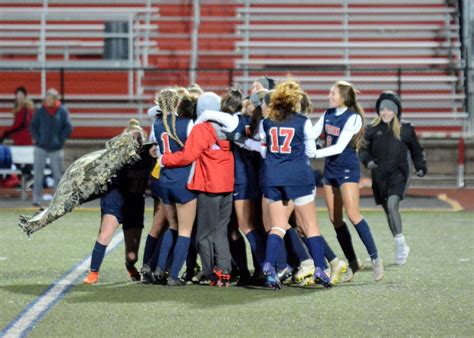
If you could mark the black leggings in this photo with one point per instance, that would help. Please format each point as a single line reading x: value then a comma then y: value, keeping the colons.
x: 392, y: 210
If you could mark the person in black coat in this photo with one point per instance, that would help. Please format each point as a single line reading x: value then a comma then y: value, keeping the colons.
x: 387, y: 142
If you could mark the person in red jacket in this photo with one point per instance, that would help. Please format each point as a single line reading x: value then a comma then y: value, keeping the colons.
x: 18, y: 132
x: 23, y: 110
x: 213, y: 179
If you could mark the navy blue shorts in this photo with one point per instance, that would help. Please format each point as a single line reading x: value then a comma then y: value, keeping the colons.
x: 245, y: 192
x: 155, y: 184
x: 337, y: 182
x: 172, y: 196
x: 287, y: 193
x: 129, y: 210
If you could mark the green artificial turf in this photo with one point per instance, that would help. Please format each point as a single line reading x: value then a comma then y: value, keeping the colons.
x: 433, y: 294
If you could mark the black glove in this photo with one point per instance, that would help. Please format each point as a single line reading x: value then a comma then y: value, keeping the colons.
x: 372, y: 165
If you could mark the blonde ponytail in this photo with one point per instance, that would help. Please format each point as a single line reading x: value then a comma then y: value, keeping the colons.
x: 168, y: 100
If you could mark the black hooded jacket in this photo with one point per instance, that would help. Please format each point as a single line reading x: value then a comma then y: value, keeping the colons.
x: 391, y: 156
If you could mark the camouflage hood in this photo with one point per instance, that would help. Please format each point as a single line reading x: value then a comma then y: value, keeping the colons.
x: 86, y: 177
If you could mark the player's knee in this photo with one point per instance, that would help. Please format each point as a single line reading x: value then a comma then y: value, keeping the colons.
x: 354, y: 217
x: 336, y: 222
x: 392, y: 207
x: 131, y: 257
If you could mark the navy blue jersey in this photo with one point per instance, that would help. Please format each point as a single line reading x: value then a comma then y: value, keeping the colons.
x: 246, y: 170
x: 132, y: 180
x: 172, y: 177
x: 347, y: 161
x: 286, y: 163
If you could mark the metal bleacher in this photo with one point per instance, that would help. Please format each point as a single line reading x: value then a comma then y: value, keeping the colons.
x: 39, y: 37
x: 410, y: 47
x: 60, y: 32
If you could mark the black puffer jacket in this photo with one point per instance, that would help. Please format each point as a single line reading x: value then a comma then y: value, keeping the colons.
x: 391, y: 156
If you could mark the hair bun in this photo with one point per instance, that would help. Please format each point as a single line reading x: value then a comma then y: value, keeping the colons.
x: 133, y: 123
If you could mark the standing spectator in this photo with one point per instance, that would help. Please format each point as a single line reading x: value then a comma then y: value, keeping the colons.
x: 18, y: 132
x: 22, y: 110
x: 388, y: 140
x: 50, y: 127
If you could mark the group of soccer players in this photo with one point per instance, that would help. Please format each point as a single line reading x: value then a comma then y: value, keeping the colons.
x: 223, y: 167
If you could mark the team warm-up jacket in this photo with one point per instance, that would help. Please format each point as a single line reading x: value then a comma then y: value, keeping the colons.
x: 214, y: 162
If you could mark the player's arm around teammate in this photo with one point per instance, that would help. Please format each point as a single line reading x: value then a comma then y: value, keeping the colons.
x: 343, y: 127
x: 179, y: 203
x: 213, y: 178
x: 285, y: 135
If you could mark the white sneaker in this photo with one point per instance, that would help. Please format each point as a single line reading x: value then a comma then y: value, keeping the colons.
x: 377, y: 265
x: 305, y: 270
x: 338, y: 268
x: 402, y: 250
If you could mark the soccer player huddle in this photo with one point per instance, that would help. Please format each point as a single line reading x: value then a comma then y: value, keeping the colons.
x: 221, y: 168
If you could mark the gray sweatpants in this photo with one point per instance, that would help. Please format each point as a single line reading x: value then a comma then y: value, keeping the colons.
x: 213, y: 217
x: 56, y: 159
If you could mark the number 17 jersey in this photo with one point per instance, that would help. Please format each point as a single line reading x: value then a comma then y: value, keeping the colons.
x: 286, y: 163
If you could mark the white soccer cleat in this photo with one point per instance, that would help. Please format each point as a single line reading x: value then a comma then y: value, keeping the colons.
x: 305, y: 271
x: 377, y: 265
x: 349, y: 275
x: 338, y: 268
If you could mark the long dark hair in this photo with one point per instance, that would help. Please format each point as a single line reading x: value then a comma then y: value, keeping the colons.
x: 187, y: 107
x: 257, y: 113
x: 231, y: 102
x: 349, y: 95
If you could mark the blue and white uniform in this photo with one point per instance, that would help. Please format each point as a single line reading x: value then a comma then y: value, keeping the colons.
x: 287, y: 173
x: 245, y: 164
x: 342, y: 164
x: 172, y: 183
x: 125, y: 198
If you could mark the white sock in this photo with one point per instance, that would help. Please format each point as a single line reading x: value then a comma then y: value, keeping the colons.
x: 400, y: 238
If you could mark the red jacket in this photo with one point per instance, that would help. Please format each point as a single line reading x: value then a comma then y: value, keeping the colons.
x: 214, y: 167
x: 19, y: 132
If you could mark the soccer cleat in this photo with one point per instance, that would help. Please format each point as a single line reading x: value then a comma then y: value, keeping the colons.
x: 201, y: 279
x: 402, y: 252
x: 224, y: 279
x: 307, y: 281
x: 305, y: 272
x: 338, y: 268
x: 377, y: 265
x: 271, y: 278
x: 354, y: 266
x: 147, y: 276
x: 176, y: 282
x: 92, y: 277
x: 286, y: 275
x: 321, y: 278
x: 159, y: 277
x: 133, y: 273
x: 244, y: 280
x: 220, y: 278
x: 187, y: 276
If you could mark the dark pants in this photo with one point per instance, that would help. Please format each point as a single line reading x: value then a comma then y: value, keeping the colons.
x: 213, y: 216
